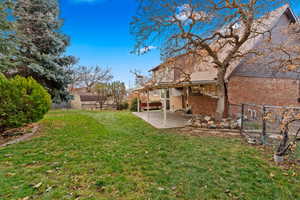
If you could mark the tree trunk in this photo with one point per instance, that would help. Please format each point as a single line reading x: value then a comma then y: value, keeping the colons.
x: 283, y: 146
x: 222, y: 103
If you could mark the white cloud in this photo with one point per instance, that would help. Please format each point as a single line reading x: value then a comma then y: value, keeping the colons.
x: 87, y: 1
x: 185, y: 12
x: 146, y: 49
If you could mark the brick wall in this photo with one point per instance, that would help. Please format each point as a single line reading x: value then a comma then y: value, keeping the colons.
x: 176, y: 103
x: 203, y: 105
x: 268, y: 91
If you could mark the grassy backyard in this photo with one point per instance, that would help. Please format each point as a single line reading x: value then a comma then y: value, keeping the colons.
x: 114, y: 155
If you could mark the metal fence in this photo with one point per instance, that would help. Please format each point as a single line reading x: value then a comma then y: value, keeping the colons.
x: 234, y: 111
x: 261, y: 124
x: 265, y: 120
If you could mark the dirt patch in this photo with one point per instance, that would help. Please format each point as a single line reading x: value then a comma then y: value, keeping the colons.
x: 207, y: 132
x: 14, y: 136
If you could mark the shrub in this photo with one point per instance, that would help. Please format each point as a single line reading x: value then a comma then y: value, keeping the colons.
x: 23, y: 101
x: 124, y: 106
x: 134, y: 105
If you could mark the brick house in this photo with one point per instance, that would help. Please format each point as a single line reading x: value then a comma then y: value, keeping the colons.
x: 247, y: 83
x: 257, y: 83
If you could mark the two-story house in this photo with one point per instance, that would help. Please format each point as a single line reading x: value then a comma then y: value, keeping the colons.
x: 191, y: 87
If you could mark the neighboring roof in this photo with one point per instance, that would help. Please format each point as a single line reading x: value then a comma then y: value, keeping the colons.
x: 79, y: 90
x: 85, y: 98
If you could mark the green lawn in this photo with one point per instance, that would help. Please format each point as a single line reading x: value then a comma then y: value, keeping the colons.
x: 114, y: 155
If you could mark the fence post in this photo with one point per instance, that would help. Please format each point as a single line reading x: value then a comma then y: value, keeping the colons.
x: 242, y: 118
x: 263, y: 134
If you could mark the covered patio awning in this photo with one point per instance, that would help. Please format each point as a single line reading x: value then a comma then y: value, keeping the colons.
x: 196, y: 79
x: 164, y: 85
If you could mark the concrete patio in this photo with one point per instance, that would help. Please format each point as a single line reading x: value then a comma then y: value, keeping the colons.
x: 156, y: 119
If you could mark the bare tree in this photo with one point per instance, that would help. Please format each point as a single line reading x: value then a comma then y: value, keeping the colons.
x: 118, y: 92
x: 103, y: 93
x: 290, y: 131
x: 219, y: 32
x: 139, y: 78
x: 84, y: 76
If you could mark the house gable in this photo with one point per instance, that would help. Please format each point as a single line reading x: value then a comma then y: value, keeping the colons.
x: 260, y: 69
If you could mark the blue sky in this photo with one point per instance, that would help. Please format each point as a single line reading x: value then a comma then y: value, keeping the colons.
x: 99, y: 31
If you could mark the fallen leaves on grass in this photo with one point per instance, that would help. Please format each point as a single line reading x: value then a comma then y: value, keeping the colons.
x: 36, y: 186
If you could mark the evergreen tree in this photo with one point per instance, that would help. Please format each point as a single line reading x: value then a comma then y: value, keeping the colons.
x: 42, y: 46
x: 7, y: 46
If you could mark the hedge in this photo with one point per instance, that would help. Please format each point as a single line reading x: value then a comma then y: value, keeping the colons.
x: 22, y: 101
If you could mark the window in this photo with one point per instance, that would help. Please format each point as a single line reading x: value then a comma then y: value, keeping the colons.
x: 164, y: 92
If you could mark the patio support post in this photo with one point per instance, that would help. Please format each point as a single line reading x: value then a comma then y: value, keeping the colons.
x: 242, y: 118
x: 148, y: 106
x: 165, y: 107
x: 187, y: 96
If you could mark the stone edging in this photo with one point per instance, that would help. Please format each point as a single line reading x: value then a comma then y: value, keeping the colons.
x: 22, y: 138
